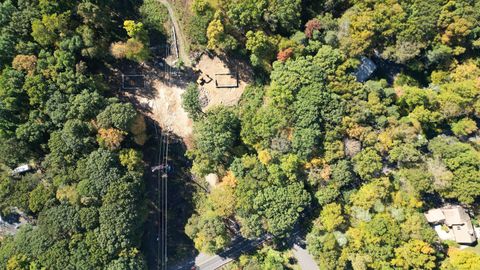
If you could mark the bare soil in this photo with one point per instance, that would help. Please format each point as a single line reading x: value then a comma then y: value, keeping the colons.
x: 210, y: 66
x: 161, y: 98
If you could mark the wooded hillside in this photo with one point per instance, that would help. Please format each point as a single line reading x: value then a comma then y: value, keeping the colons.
x: 353, y: 162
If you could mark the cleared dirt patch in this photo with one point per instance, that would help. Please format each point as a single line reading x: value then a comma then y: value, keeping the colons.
x: 223, y: 74
x: 161, y: 98
x: 168, y: 111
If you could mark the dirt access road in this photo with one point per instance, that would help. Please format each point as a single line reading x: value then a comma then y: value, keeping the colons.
x: 180, y: 40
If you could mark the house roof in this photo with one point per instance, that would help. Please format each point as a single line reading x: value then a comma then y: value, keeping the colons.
x: 464, y: 234
x: 365, y: 69
x: 455, y: 217
x: 435, y: 215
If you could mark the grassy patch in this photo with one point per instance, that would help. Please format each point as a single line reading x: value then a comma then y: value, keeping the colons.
x: 475, y: 249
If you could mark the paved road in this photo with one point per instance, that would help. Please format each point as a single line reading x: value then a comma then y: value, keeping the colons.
x: 182, y: 49
x: 212, y: 262
x: 305, y: 260
x: 240, y: 246
x: 205, y: 262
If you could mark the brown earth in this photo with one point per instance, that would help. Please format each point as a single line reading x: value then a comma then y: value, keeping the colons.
x: 209, y: 66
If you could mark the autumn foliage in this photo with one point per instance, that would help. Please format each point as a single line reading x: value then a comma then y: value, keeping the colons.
x: 284, y: 54
x: 311, y: 26
x: 110, y: 138
x: 24, y: 63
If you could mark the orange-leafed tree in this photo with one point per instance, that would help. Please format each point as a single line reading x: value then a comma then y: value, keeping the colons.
x: 311, y: 26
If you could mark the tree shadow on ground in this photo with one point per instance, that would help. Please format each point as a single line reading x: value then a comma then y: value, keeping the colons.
x: 239, y: 65
x: 180, y: 189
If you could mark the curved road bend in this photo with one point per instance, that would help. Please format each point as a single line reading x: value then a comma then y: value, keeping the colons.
x: 240, y: 246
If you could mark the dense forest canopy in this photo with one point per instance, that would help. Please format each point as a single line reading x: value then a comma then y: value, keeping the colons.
x: 355, y: 164
x: 59, y: 115
x: 310, y: 149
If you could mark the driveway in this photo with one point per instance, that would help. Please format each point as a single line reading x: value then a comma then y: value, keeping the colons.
x: 305, y: 260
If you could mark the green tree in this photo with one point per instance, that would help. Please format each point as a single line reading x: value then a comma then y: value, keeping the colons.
x: 418, y: 178
x: 154, y: 14
x: 118, y: 115
x: 37, y: 89
x: 464, y: 127
x: 7, y: 38
x: 262, y: 48
x: 11, y: 94
x: 15, y: 192
x: 461, y: 260
x: 50, y: 28
x: 462, y: 160
x: 215, y: 137
x: 285, y: 15
x: 69, y: 144
x: 86, y: 105
x: 96, y: 172
x: 13, y: 152
x: 208, y: 232
x: 60, y: 221
x: 246, y: 14
x: 88, y: 217
x: 325, y: 248
x: 191, y: 102
x: 415, y: 254
x: 121, y: 215
x: 132, y: 260
x: 405, y: 154
x: 202, y: 15
x: 39, y: 197
x: 331, y: 217
x: 376, y: 239
x: 367, y: 163
x: 267, y: 201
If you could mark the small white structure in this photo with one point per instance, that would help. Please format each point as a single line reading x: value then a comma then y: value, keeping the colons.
x: 212, y: 180
x: 456, y: 219
x: 21, y: 169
